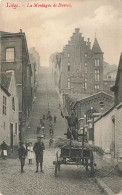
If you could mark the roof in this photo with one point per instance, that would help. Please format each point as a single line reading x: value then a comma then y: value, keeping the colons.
x: 91, y: 96
x: 96, y: 48
x: 77, y: 97
x: 5, y: 80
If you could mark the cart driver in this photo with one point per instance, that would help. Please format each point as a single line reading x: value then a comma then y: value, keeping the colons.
x: 72, y: 123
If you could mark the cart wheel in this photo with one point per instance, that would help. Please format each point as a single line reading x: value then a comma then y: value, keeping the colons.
x: 56, y: 170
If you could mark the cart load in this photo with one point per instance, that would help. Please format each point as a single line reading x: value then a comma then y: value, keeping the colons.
x: 64, y: 143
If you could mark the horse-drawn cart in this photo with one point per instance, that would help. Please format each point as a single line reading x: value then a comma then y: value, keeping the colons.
x: 75, y: 150
x: 75, y: 156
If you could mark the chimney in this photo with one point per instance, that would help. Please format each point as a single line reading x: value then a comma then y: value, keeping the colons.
x: 77, y: 30
x: 20, y: 30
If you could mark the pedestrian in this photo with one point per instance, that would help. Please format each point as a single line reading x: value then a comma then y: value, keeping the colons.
x: 40, y: 121
x: 30, y: 154
x: 38, y: 149
x: 43, y: 129
x: 43, y: 116
x: 51, y: 130
x: 55, y: 119
x: 22, y: 152
x: 4, y: 148
x: 38, y: 129
x: 50, y: 118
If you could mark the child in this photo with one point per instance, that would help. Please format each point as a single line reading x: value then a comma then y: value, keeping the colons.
x: 22, y: 152
x: 30, y: 153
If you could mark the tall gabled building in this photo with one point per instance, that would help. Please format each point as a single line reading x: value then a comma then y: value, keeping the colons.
x: 81, y: 67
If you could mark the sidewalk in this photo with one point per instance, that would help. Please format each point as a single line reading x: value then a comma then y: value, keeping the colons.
x: 109, y: 180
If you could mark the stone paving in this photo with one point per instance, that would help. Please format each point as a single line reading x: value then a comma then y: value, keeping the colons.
x: 72, y: 180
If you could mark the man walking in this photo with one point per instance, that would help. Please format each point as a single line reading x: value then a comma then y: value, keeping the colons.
x: 22, y: 152
x: 38, y: 149
x: 4, y: 148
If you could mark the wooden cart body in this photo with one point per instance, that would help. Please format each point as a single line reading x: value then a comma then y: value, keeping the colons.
x: 75, y: 156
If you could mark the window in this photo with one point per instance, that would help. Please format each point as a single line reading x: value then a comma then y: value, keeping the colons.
x: 68, y: 54
x: 97, y: 75
x: 68, y: 66
x: 86, y: 55
x: 68, y: 82
x: 10, y: 54
x: 97, y: 62
x: 97, y: 86
x: 4, y: 105
x: 85, y: 67
x: 85, y: 84
x: 13, y: 103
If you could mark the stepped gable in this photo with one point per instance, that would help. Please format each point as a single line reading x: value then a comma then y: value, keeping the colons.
x: 96, y: 48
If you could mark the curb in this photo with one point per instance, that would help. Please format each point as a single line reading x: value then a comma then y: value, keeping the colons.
x: 103, y: 186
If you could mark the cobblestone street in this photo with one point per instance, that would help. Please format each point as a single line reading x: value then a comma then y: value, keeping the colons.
x: 72, y: 180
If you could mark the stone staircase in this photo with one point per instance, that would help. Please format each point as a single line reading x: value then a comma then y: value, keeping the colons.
x: 46, y: 98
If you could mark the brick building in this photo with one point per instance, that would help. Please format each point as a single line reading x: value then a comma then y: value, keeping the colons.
x: 80, y: 68
x: 14, y: 56
x: 99, y: 102
x: 88, y: 108
x: 9, y: 118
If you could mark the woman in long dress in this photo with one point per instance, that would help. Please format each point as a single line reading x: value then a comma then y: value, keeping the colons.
x: 30, y: 155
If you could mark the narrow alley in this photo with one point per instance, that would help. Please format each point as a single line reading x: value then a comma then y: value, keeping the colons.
x: 71, y: 180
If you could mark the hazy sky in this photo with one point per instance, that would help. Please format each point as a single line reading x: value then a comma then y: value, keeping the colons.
x: 49, y: 29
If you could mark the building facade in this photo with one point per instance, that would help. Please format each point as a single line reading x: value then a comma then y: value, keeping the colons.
x: 9, y: 112
x: 81, y: 68
x: 15, y: 57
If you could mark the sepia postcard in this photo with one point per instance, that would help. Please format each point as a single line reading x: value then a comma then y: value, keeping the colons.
x: 60, y: 97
